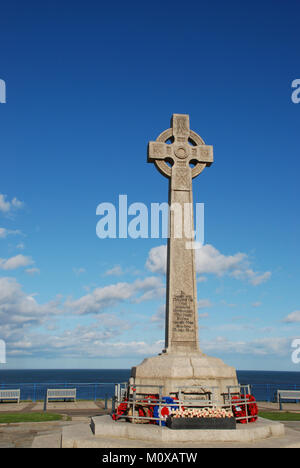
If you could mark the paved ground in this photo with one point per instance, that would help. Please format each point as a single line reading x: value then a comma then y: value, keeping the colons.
x: 48, y: 434
x: 78, y: 408
x: 21, y: 435
x: 40, y: 435
x: 267, y: 406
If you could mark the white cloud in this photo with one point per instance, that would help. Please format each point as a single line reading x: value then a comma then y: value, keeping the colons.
x: 7, y: 206
x: 79, y: 271
x: 157, y: 259
x: 17, y: 203
x: 107, y: 296
x: 203, y: 303
x: 21, y: 314
x: 293, y: 317
x: 32, y: 271
x: 277, y: 346
x: 4, y: 205
x: 209, y: 260
x: 84, y: 341
x: 6, y: 232
x: 253, y: 277
x: 159, y: 315
x: 228, y: 304
x: 201, y: 279
x: 18, y: 309
x: 115, y: 271
x: 15, y: 262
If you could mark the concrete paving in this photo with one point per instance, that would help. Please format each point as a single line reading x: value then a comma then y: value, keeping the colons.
x: 29, y: 406
x: 104, y: 427
x: 49, y: 434
x: 14, y: 407
x: 22, y: 435
x: 268, y: 406
x: 80, y: 436
x: 61, y: 406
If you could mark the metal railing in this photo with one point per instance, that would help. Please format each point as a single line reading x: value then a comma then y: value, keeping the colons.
x: 36, y: 391
x: 137, y: 401
x: 85, y: 391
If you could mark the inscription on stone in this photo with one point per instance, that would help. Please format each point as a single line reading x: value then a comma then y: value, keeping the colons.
x: 183, y: 313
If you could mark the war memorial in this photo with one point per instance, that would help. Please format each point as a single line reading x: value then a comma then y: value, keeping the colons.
x: 182, y: 363
x: 181, y: 382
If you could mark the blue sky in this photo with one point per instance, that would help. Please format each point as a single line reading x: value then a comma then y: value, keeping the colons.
x: 88, y: 85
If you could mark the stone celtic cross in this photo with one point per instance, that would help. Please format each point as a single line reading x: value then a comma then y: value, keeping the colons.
x: 180, y: 154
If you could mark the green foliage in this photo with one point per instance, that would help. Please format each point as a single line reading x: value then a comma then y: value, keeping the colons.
x: 29, y: 417
x: 286, y: 416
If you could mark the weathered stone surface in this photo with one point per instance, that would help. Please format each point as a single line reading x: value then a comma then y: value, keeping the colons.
x: 178, y: 370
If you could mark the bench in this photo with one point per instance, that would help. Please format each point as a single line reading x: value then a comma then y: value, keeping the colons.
x: 287, y: 395
x: 61, y: 394
x: 10, y: 395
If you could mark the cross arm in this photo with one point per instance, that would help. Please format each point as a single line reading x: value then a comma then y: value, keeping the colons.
x: 158, y: 150
x: 202, y: 154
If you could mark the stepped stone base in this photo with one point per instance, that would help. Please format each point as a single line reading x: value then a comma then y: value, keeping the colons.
x: 107, y: 433
x: 173, y: 370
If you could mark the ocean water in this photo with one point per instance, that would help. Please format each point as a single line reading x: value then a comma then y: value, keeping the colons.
x: 98, y: 383
x: 28, y: 376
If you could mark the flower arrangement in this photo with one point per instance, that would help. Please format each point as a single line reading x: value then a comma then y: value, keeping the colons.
x: 241, y: 410
x: 201, y: 413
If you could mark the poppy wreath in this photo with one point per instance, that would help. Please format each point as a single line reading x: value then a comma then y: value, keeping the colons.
x: 252, y: 408
x: 121, y: 410
x: 239, y: 409
x: 149, y: 409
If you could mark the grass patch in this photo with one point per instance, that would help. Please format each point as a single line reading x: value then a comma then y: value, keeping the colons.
x: 279, y: 416
x: 29, y: 417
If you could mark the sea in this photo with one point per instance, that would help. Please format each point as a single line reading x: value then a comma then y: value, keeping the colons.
x: 99, y: 383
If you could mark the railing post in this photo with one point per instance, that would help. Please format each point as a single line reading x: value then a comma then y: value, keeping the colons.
x: 45, y: 401
x: 159, y: 404
x: 280, y: 402
x: 113, y: 404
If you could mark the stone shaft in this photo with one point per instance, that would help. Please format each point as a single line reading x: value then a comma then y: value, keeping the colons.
x: 181, y: 332
x: 182, y: 148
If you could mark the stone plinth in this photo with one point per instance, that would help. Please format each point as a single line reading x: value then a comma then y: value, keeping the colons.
x: 104, y: 427
x: 173, y: 370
